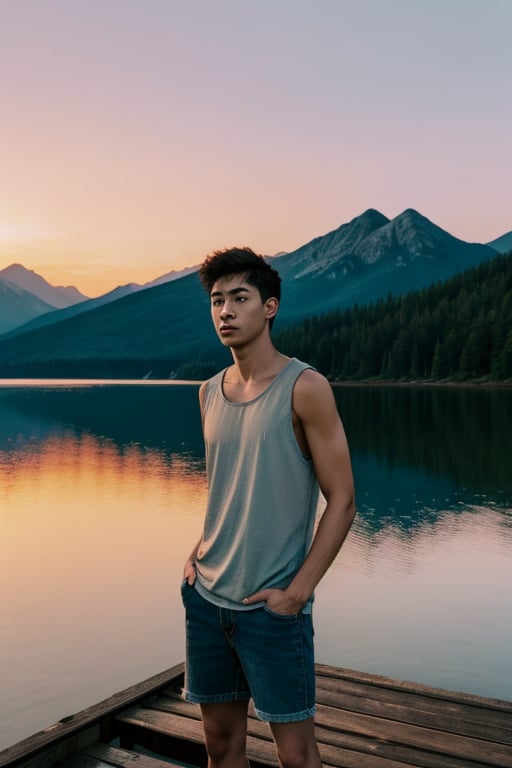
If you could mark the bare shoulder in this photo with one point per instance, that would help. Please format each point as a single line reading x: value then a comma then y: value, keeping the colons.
x: 312, y: 392
x: 311, y: 382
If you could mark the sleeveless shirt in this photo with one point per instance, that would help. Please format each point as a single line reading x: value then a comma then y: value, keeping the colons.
x: 262, y: 493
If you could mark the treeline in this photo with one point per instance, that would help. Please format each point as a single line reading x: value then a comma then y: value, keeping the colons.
x: 88, y: 368
x: 458, y: 330
x: 110, y: 368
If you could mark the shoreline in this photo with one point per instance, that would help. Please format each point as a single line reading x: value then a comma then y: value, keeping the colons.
x: 425, y: 383
x: 8, y: 381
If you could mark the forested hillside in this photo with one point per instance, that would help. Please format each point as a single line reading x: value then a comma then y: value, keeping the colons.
x: 458, y: 330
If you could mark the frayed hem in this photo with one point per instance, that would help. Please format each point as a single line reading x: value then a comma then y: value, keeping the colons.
x: 293, y: 717
x: 194, y: 698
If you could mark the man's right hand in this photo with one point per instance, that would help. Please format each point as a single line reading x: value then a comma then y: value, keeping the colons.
x: 189, y: 572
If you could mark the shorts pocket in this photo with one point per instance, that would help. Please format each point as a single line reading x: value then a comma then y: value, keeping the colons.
x: 284, y: 616
x: 185, y: 590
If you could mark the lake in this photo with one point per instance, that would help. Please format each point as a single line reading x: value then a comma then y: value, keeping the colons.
x: 102, y: 493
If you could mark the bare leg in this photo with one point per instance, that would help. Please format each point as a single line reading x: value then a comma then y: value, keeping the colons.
x: 225, y: 731
x: 296, y: 744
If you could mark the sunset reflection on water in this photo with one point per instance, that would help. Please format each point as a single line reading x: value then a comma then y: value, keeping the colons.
x: 102, y: 496
x: 92, y: 548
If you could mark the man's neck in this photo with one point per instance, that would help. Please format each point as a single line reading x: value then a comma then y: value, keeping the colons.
x: 250, y: 375
x: 251, y: 367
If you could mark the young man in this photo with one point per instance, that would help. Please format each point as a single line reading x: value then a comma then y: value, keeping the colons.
x: 272, y: 436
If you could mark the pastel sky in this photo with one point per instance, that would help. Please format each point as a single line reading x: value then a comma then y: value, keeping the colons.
x: 136, y: 136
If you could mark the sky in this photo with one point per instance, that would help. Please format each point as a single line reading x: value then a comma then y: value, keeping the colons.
x: 136, y: 136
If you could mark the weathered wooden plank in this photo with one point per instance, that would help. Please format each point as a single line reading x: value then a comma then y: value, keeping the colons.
x: 423, y: 738
x: 326, y: 671
x: 179, y: 746
x: 50, y: 751
x: 403, y: 754
x: 260, y: 748
x: 467, y: 708
x: 360, y: 744
x: 376, y: 747
x: 163, y: 722
x: 187, y: 729
x: 82, y: 760
x: 176, y: 706
x: 124, y: 758
x: 477, y: 713
x: 341, y: 757
x: 104, y: 756
x: 363, y: 721
x: 454, y: 722
x: 55, y: 737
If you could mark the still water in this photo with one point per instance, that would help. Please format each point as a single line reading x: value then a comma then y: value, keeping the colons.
x: 102, y: 493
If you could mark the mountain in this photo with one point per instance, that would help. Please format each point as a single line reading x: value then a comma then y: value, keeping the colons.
x: 172, y: 275
x: 18, y: 306
x: 369, y: 258
x: 28, y: 280
x: 56, y: 315
x: 170, y: 322
x: 502, y: 244
x: 322, y: 256
x: 363, y: 260
x: 25, y: 295
x: 85, y: 306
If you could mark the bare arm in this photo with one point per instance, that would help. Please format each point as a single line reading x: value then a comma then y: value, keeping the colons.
x: 315, y: 407
x: 189, y: 570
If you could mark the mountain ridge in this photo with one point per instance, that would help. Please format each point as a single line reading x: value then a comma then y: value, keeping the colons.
x: 332, y: 244
x: 18, y: 306
x: 361, y: 261
x: 57, y: 315
x: 502, y: 244
x: 58, y: 296
x: 372, y: 256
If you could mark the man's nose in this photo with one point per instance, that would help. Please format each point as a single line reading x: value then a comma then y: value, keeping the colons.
x: 227, y: 311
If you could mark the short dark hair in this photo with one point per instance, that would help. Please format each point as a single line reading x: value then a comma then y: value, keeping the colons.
x: 232, y: 261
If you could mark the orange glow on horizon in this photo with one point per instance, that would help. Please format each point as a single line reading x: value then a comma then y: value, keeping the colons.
x: 117, y: 169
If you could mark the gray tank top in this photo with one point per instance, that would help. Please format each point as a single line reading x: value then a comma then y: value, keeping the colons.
x: 263, y: 493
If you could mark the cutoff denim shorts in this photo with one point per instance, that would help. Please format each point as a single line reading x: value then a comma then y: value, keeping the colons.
x: 236, y: 655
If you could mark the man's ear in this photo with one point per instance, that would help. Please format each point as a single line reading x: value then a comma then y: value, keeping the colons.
x: 271, y: 307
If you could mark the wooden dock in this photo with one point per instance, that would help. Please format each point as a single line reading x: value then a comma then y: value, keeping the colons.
x: 363, y: 721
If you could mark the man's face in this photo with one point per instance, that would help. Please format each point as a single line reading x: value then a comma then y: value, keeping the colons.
x: 238, y: 313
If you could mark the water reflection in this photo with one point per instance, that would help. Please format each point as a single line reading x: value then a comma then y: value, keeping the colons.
x: 433, y: 607
x: 102, y: 494
x: 165, y: 416
x: 419, y: 452
x: 94, y: 530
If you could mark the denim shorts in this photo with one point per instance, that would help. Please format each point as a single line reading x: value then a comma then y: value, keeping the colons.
x: 238, y: 655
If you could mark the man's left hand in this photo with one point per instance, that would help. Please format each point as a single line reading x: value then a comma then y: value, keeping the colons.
x: 277, y: 600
